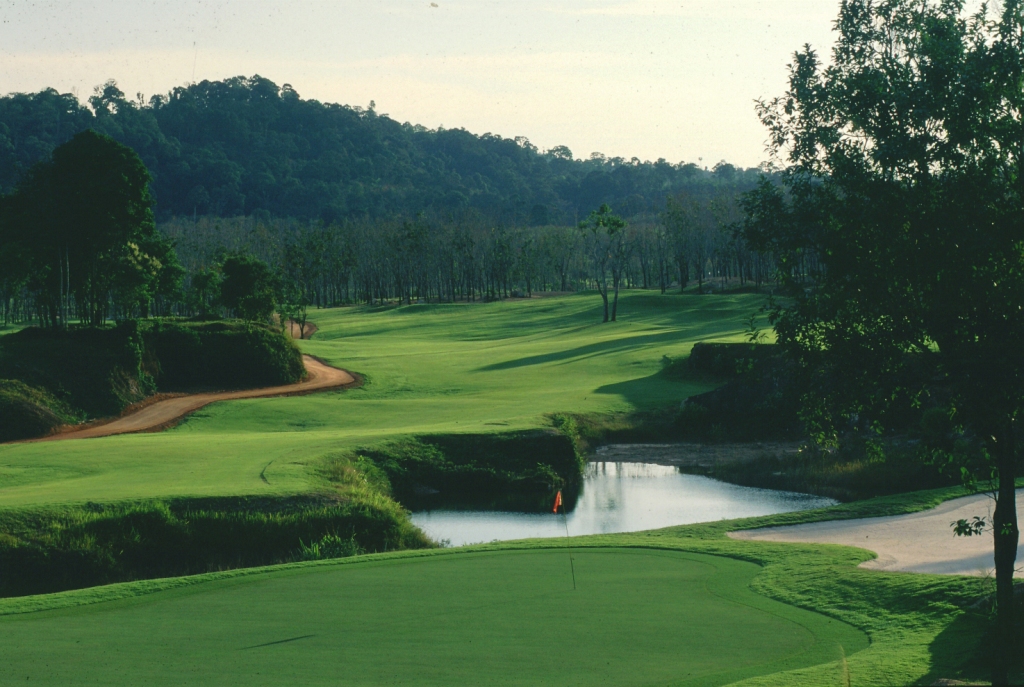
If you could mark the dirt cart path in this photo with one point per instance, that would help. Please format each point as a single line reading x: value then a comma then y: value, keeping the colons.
x: 919, y: 542
x: 169, y: 409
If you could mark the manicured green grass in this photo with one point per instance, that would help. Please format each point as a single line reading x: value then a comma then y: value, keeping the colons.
x: 637, y: 617
x: 429, y: 369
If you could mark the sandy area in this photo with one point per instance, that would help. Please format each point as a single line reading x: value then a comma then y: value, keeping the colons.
x: 920, y: 542
x: 170, y: 408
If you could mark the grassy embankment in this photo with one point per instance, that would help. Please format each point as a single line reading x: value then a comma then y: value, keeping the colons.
x: 50, y: 378
x: 486, y: 370
x: 681, y: 605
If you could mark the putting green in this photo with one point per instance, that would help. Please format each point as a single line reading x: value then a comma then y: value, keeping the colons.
x: 638, y: 617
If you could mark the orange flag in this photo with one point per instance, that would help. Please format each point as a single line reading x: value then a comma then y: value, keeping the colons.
x: 558, y: 501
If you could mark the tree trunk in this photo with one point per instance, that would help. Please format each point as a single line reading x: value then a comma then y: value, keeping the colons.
x: 1006, y: 538
x: 603, y: 290
x: 615, y: 301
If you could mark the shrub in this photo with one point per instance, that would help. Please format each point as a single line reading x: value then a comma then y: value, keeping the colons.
x: 97, y: 370
x: 512, y: 469
x: 330, y: 546
x: 221, y: 354
x: 27, y: 412
x: 44, y: 551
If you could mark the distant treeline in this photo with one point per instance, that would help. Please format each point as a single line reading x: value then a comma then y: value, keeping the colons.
x: 453, y: 259
x: 342, y: 204
x: 245, y: 146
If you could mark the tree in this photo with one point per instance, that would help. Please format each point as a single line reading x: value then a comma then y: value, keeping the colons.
x: 249, y: 288
x: 606, y: 236
x: 204, y: 292
x: 85, y: 219
x: 899, y: 227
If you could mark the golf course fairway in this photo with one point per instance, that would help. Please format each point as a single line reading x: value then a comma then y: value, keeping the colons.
x: 498, y: 617
x: 429, y: 369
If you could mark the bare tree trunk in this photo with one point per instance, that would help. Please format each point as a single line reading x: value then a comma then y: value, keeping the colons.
x: 602, y: 287
x: 1006, y: 539
x: 615, y: 302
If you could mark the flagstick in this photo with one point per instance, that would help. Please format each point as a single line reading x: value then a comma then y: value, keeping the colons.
x: 568, y: 545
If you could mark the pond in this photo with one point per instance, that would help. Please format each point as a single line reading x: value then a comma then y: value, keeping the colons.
x: 620, y: 497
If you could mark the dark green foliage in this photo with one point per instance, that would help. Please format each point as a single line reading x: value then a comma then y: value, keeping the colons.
x: 244, y: 145
x: 762, y: 402
x: 727, y: 360
x: 97, y: 371
x: 220, y: 354
x: 83, y: 546
x: 850, y: 474
x: 249, y: 288
x: 330, y: 546
x: 516, y: 469
x: 83, y: 222
x: 900, y: 224
x: 27, y: 412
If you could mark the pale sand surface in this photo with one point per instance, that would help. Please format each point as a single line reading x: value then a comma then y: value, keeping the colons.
x: 920, y: 542
x: 162, y: 413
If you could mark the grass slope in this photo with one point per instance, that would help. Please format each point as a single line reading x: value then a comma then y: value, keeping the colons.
x: 639, y: 616
x: 430, y: 369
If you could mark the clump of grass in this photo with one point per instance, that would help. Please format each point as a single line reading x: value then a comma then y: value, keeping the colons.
x: 45, y: 551
x: 96, y: 371
x: 876, y: 469
x: 26, y: 411
x: 330, y: 546
x: 183, y: 355
x: 465, y: 468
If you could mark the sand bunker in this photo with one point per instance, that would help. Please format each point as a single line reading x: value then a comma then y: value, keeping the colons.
x: 920, y: 542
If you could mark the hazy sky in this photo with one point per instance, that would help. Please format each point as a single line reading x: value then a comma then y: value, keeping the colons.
x: 642, y: 78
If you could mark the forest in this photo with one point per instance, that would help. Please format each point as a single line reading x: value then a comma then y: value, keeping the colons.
x: 345, y: 205
x: 247, y: 147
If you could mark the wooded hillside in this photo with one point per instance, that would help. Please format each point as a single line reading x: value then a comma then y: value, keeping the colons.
x: 246, y: 146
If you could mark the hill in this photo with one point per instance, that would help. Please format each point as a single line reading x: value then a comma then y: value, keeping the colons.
x: 245, y: 146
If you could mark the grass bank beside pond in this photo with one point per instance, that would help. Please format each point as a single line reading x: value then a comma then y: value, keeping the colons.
x: 71, y: 547
x: 507, y: 614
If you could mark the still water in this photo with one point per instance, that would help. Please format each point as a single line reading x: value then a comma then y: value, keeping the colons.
x: 620, y: 497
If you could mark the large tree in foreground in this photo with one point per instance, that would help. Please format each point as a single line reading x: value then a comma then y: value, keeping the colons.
x: 904, y: 200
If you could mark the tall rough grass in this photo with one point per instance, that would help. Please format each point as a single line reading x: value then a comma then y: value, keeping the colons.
x: 49, y: 550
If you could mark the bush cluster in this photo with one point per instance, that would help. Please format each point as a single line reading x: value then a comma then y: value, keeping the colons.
x: 183, y: 355
x: 512, y: 469
x: 82, y: 546
x: 50, y: 377
x: 27, y: 412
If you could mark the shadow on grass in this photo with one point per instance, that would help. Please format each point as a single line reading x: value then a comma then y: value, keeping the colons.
x: 961, y: 651
x: 608, y: 347
x: 642, y: 391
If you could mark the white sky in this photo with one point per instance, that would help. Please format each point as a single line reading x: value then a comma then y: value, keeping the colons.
x: 646, y: 78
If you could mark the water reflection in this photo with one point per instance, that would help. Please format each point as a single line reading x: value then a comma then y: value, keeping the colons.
x: 620, y: 497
